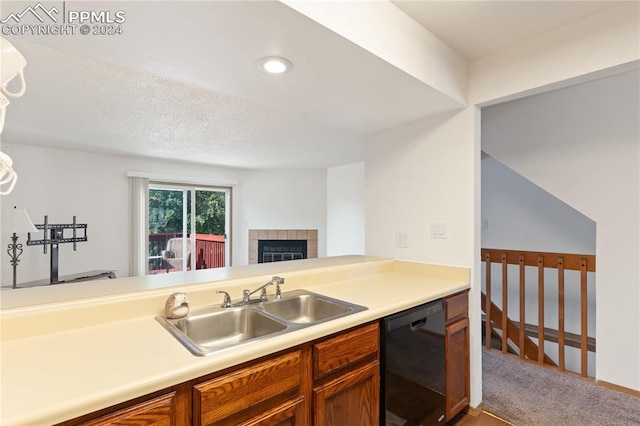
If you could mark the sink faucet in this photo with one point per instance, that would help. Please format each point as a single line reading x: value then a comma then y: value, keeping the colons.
x: 278, y: 281
x: 246, y: 294
x: 263, y: 289
x: 226, y: 303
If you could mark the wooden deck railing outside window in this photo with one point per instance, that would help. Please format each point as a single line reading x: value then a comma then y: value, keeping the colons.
x: 209, y: 252
x: 519, y: 332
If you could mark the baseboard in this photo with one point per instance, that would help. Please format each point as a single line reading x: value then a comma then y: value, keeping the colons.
x: 618, y: 388
x: 474, y: 411
x: 479, y: 410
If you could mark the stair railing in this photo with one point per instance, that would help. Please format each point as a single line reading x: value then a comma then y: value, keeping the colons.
x: 519, y: 332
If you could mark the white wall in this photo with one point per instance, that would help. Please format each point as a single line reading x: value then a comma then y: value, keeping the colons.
x: 282, y: 199
x: 387, y: 32
x: 522, y: 216
x: 423, y: 172
x: 417, y: 174
x: 345, y: 210
x: 582, y: 144
x: 94, y: 187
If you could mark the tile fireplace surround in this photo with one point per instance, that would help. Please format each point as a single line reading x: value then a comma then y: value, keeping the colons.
x: 309, y: 235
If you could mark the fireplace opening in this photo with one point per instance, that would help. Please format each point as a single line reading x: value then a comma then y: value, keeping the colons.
x: 281, y: 250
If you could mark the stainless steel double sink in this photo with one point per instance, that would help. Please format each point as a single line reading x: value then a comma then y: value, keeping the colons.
x: 213, y: 329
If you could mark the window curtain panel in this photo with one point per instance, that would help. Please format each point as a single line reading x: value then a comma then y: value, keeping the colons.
x: 139, y: 243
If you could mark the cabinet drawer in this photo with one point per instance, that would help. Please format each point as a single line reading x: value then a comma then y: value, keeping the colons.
x: 347, y: 348
x: 290, y: 413
x: 227, y: 395
x: 457, y: 306
x: 156, y: 412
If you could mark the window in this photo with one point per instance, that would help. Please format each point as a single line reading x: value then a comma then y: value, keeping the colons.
x: 188, y: 228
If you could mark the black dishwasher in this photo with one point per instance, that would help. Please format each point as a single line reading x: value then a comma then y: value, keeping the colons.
x: 413, y: 361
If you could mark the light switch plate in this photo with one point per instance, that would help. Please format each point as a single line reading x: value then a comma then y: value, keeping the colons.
x: 438, y: 230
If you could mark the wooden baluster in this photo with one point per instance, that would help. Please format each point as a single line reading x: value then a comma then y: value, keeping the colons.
x: 487, y: 308
x: 505, y: 328
x: 522, y: 305
x: 562, y: 262
x: 561, y: 313
x: 583, y: 317
x: 540, y: 310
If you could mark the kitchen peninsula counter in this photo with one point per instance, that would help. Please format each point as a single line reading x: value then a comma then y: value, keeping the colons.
x: 66, y: 354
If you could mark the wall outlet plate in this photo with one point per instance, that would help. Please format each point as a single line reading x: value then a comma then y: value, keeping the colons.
x: 402, y: 240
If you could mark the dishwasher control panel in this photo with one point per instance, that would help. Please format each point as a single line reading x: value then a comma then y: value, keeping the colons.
x: 433, y: 309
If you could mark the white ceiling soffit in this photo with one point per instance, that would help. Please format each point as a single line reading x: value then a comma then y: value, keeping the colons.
x: 386, y: 31
x: 477, y: 28
x: 181, y: 82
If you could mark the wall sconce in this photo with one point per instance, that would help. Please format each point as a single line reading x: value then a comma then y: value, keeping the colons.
x: 20, y: 224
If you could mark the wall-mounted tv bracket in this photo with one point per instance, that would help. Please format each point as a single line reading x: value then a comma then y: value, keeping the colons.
x: 57, y: 236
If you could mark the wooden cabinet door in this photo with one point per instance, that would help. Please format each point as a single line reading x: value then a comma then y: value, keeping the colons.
x: 457, y: 388
x: 352, y: 399
x: 346, y: 350
x: 291, y: 413
x: 156, y: 412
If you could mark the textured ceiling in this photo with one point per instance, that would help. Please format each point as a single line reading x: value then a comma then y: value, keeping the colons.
x: 181, y: 82
x: 111, y: 109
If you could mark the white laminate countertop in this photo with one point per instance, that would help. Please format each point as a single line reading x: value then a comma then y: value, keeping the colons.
x: 62, y: 359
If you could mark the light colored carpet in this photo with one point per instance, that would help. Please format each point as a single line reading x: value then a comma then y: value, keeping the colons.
x: 527, y: 395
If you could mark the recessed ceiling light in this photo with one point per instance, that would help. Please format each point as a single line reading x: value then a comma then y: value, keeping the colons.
x: 274, y: 65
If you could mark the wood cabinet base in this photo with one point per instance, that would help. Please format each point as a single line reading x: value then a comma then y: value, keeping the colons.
x: 456, y: 349
x: 331, y: 381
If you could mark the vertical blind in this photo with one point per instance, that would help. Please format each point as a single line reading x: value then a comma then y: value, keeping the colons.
x: 139, y: 223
